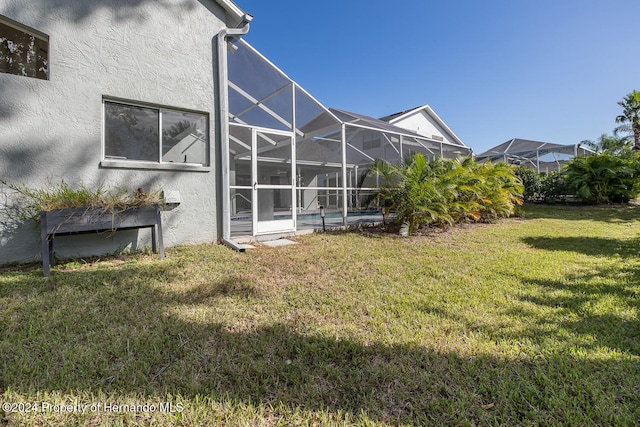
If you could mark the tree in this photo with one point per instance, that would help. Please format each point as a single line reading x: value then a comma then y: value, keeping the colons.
x: 616, y: 145
x: 631, y: 115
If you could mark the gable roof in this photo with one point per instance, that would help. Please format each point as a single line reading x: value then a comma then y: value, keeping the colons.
x: 399, y: 114
x: 396, y: 117
x: 361, y: 119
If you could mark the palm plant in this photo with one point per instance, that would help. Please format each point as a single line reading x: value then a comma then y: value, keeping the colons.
x: 604, y: 177
x: 468, y: 189
x: 502, y: 190
x: 444, y: 191
x: 617, y: 144
x: 408, y: 188
x: 631, y: 115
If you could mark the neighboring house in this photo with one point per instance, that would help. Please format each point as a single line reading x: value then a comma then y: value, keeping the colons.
x: 538, y: 155
x: 424, y: 121
x: 120, y: 94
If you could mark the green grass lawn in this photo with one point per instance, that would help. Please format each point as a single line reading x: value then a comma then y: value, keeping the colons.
x: 530, y: 321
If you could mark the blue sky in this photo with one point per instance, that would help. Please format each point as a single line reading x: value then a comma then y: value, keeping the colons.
x: 548, y: 70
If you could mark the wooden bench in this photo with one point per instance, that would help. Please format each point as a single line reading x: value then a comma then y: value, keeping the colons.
x: 63, y: 222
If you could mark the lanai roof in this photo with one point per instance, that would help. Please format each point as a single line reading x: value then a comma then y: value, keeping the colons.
x: 528, y: 149
x: 361, y: 119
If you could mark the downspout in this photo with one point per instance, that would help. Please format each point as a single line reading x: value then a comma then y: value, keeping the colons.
x: 223, y: 121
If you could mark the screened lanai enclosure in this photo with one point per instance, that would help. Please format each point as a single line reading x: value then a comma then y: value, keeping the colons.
x: 537, y: 155
x: 290, y: 158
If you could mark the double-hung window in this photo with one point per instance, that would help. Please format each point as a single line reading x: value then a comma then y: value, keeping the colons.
x: 150, y: 135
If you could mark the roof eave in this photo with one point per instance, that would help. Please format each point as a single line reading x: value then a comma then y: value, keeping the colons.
x: 401, y: 116
x: 237, y: 15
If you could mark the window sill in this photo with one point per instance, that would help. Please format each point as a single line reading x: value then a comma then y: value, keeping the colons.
x: 131, y: 164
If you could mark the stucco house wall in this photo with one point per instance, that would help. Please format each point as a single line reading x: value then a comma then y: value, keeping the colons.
x: 422, y: 124
x: 155, y: 52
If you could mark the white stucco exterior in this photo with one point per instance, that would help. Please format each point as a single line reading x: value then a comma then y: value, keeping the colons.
x: 155, y: 52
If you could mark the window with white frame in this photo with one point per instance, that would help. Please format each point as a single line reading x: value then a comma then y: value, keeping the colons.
x: 23, y: 50
x: 155, y: 134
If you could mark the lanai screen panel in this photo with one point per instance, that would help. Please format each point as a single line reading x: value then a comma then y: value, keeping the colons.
x: 240, y: 156
x: 318, y: 156
x: 240, y: 181
x: 259, y: 94
x: 411, y: 146
x: 452, y: 152
x: 261, y: 97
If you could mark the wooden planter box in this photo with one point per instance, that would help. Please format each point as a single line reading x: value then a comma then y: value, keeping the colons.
x: 62, y: 222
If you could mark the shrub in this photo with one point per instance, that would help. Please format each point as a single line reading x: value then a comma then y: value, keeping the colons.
x: 553, y: 187
x: 501, y: 190
x: 444, y: 191
x: 530, y: 180
x: 604, y: 177
x: 410, y: 188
